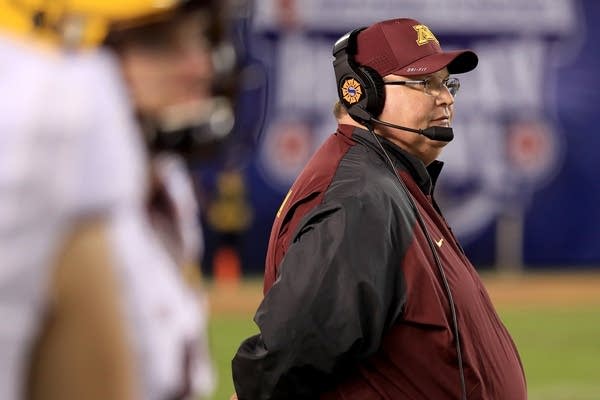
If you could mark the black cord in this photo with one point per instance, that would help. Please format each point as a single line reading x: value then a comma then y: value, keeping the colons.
x: 438, y: 263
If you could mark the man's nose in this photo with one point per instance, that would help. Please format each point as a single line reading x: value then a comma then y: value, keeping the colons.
x: 194, y: 61
x: 444, y: 96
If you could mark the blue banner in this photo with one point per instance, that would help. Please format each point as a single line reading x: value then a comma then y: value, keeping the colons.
x: 519, y: 185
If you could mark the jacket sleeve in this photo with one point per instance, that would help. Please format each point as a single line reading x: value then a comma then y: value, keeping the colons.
x: 339, y: 288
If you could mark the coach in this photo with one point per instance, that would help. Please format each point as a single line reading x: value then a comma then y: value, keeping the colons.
x: 368, y: 294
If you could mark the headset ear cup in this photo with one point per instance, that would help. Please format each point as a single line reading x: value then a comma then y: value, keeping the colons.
x: 375, y: 90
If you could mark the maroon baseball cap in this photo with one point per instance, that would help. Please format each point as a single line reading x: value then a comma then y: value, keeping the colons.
x: 407, y: 47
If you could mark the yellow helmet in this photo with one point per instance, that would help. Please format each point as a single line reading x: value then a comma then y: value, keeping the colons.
x: 75, y: 23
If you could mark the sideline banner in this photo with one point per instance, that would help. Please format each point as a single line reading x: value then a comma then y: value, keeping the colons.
x: 525, y: 118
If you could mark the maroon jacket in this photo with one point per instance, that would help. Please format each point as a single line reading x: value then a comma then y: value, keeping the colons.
x: 354, y: 304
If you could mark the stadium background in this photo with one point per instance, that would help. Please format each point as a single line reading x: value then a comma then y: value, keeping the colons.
x: 520, y: 186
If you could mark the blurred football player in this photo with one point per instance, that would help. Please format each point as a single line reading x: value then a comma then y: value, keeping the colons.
x: 179, y: 72
x: 92, y: 303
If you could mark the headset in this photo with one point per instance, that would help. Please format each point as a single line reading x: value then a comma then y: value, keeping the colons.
x: 360, y: 88
x: 362, y: 92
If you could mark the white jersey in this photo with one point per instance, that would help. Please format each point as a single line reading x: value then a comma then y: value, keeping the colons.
x: 178, y: 186
x: 70, y: 149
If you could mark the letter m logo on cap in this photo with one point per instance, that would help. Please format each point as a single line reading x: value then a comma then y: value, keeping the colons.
x: 424, y: 35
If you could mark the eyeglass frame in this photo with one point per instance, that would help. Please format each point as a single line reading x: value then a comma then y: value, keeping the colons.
x: 425, y: 82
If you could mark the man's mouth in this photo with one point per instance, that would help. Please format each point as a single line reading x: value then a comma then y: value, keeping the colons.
x: 442, y: 121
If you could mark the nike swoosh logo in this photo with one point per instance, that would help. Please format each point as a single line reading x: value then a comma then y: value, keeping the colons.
x: 439, y: 242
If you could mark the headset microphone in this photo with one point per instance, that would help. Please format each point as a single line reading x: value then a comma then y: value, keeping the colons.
x: 440, y: 133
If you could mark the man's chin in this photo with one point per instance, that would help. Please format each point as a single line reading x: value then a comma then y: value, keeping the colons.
x: 439, y: 144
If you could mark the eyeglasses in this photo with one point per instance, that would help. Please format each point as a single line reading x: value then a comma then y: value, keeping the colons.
x: 432, y: 87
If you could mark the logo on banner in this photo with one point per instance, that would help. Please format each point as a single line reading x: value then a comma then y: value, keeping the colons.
x: 351, y: 91
x: 424, y: 35
x: 286, y: 148
x: 531, y: 149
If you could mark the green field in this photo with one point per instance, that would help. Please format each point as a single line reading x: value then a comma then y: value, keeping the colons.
x: 559, y: 346
x: 226, y: 333
x: 560, y: 349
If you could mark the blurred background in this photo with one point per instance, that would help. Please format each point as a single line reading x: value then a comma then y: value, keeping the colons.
x: 519, y: 187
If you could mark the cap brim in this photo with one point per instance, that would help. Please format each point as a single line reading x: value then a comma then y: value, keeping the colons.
x: 458, y: 62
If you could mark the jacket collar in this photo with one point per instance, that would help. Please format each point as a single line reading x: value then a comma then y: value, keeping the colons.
x: 425, y: 177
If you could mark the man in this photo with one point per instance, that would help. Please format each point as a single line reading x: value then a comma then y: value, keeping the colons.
x: 92, y: 302
x: 368, y: 295
x: 182, y: 100
x: 171, y: 66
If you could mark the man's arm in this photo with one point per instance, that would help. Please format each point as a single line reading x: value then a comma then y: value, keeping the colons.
x: 339, y: 287
x: 84, y: 350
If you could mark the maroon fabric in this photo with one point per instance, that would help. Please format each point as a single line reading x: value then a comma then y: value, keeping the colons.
x: 408, y: 48
x: 417, y: 357
x: 307, y: 191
